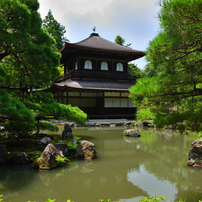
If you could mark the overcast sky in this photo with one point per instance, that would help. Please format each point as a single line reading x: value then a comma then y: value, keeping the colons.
x: 134, y: 20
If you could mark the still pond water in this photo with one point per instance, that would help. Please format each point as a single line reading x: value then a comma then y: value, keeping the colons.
x: 126, y: 169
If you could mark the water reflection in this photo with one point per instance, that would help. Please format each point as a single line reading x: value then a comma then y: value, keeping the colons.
x: 151, y: 184
x: 125, y: 170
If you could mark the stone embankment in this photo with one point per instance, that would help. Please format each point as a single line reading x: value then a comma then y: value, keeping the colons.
x: 54, y: 154
x: 97, y: 123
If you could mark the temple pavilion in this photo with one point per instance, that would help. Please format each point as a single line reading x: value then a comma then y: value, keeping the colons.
x: 96, y: 78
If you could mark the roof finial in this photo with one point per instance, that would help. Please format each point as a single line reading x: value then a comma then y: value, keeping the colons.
x: 94, y: 28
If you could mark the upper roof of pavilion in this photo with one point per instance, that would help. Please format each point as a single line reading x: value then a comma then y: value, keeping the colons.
x: 100, y: 45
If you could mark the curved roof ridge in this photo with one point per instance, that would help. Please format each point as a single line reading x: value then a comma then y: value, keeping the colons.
x: 96, y: 42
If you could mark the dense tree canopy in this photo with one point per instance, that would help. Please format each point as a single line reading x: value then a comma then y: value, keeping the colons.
x: 55, y: 29
x: 135, y: 71
x: 27, y: 63
x: 176, y: 55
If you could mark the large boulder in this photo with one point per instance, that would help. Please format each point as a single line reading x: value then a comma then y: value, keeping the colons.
x: 62, y: 147
x: 195, y: 154
x: 132, y: 132
x: 85, y: 150
x: 44, y: 142
x: 47, y: 159
x: 67, y: 132
x: 3, y: 154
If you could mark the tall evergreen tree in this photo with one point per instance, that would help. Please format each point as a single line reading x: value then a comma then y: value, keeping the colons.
x: 55, y: 29
x: 176, y: 54
x: 27, y: 63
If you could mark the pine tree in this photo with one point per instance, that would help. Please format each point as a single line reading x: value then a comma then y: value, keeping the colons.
x: 175, y: 92
x: 27, y: 64
x: 55, y: 29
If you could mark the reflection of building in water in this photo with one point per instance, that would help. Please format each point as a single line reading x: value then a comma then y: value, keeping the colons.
x: 87, y: 182
x: 118, y: 147
x: 103, y: 181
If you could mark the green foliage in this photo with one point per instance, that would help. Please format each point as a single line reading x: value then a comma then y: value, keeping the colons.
x: 61, y: 160
x: 50, y: 200
x: 78, y: 139
x: 148, y: 199
x: 198, y: 134
x: 119, y: 40
x: 149, y: 71
x: 28, y: 62
x: 175, y: 72
x: 133, y: 70
x: 55, y: 29
x: 152, y: 198
x: 145, y: 114
x: 70, y: 145
x: 73, y: 114
x: 46, y: 125
x: 1, y: 198
x: 36, y: 156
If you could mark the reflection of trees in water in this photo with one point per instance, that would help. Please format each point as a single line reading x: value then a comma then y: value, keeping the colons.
x: 170, y: 164
x: 9, y: 175
x: 162, y: 153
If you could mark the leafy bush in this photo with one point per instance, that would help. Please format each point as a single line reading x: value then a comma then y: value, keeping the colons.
x: 145, y: 114
x: 61, y: 160
x: 152, y: 198
x: 36, y: 156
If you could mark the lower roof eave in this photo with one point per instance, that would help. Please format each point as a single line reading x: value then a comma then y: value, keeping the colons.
x: 90, y: 89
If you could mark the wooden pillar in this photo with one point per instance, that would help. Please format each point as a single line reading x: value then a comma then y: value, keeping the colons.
x: 113, y: 68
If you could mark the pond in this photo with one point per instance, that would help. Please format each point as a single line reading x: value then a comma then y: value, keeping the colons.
x: 126, y: 169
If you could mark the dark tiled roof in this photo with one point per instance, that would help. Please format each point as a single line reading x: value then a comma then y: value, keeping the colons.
x: 97, y: 43
x: 94, y: 85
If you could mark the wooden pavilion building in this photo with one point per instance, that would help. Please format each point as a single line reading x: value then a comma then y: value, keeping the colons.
x: 96, y: 78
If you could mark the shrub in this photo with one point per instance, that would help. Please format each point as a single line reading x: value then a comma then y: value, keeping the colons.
x: 61, y: 160
x: 145, y: 114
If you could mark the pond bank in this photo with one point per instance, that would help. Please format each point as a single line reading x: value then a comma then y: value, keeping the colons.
x: 96, y: 122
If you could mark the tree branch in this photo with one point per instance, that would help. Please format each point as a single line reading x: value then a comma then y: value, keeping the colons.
x: 3, y: 55
x: 6, y: 117
x: 15, y: 88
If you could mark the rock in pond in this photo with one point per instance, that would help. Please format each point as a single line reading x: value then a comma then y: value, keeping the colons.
x: 67, y: 132
x: 132, y: 132
x: 47, y: 159
x: 62, y: 147
x: 147, y: 122
x: 85, y: 150
x: 195, y: 154
x: 44, y: 142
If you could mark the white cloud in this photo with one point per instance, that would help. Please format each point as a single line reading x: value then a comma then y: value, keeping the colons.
x: 134, y: 20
